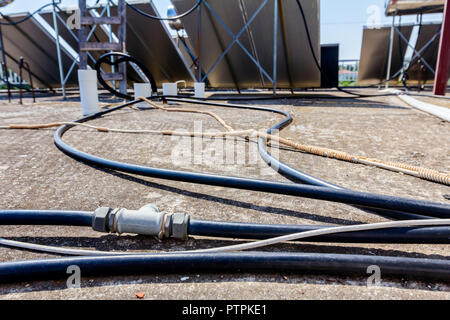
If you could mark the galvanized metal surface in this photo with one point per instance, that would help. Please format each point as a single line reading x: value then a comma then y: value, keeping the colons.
x: 405, y: 7
x: 295, y: 64
x: 38, y: 47
x: 375, y: 51
x: 429, y: 54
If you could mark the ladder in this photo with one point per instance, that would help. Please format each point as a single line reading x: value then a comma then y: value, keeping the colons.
x: 85, y: 46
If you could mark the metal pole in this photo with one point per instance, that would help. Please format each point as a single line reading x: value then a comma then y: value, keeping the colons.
x: 110, y: 31
x: 82, y: 36
x: 199, y: 43
x: 21, y: 79
x: 31, y: 80
x: 122, y: 35
x: 58, y: 50
x: 275, y: 37
x: 4, y: 67
x: 441, y: 74
x: 414, y: 49
x: 391, y: 47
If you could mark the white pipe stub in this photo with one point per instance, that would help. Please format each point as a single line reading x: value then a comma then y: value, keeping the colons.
x: 87, y: 80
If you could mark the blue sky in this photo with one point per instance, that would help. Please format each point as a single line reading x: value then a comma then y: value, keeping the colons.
x: 341, y: 21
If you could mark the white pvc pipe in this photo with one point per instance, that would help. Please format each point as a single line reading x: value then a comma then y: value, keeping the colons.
x: 199, y: 88
x: 170, y: 89
x: 142, y: 90
x: 87, y: 80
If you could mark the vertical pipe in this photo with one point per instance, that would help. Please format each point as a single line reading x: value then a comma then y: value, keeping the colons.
x: 82, y: 35
x: 21, y: 79
x: 199, y: 43
x: 285, y: 45
x: 391, y: 47
x: 31, y: 81
x: 122, y: 35
x: 4, y: 67
x: 442, y: 66
x: 275, y: 37
x: 108, y: 13
x: 58, y: 51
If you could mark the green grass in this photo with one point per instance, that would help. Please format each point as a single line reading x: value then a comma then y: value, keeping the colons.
x: 346, y: 83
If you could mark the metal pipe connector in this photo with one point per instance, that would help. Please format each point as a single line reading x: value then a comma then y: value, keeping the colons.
x: 148, y: 220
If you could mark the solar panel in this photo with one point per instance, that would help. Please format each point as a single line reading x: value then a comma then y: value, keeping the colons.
x: 295, y: 64
x: 429, y: 54
x: 375, y: 51
x: 151, y: 43
x: 147, y: 40
x: 31, y: 41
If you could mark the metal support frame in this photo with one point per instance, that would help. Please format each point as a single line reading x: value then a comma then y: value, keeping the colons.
x: 122, y: 35
x: 442, y: 66
x: 120, y: 39
x: 416, y: 53
x: 82, y: 59
x: 24, y: 65
x: 58, y: 50
x: 251, y: 37
x: 30, y: 38
x: 391, y: 47
x: 235, y: 37
x: 4, y: 67
x: 57, y: 17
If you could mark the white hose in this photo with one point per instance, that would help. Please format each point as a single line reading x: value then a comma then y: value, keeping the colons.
x: 238, y: 247
x: 440, y: 112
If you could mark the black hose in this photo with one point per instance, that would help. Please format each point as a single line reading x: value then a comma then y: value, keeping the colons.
x: 238, y: 230
x: 431, y: 209
x: 294, y: 174
x: 304, y: 263
x: 12, y: 23
x: 436, y: 235
x: 46, y: 217
x: 121, y: 58
x: 145, y: 14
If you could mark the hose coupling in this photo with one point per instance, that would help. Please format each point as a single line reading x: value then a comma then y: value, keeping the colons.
x: 148, y: 220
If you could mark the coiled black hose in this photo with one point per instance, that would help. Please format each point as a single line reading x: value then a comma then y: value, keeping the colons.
x: 291, y: 173
x: 419, y: 207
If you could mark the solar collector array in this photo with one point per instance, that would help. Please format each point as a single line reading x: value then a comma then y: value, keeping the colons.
x: 295, y: 64
x: 31, y: 41
x: 375, y: 52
